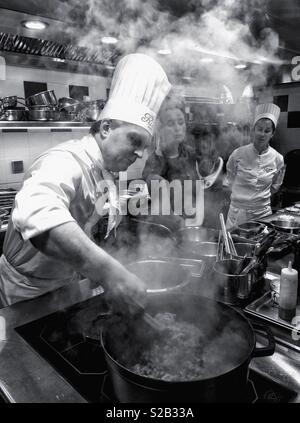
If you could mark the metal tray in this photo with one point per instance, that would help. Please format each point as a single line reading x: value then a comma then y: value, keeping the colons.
x: 265, y: 308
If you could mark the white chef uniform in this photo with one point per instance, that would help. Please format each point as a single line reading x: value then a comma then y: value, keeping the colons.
x: 253, y: 177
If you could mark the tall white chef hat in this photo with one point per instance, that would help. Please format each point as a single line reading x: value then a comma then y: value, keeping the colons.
x: 138, y: 88
x: 267, y: 110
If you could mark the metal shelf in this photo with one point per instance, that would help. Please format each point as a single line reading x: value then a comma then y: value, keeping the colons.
x: 43, y: 124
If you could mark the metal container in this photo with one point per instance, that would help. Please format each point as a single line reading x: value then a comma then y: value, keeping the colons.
x: 243, y: 248
x: 45, y: 98
x: 43, y: 115
x: 232, y: 288
x: 14, y: 115
x: 199, y: 250
x: 286, y: 226
x: 226, y: 383
x: 64, y: 102
x: 161, y: 276
x: 196, y: 234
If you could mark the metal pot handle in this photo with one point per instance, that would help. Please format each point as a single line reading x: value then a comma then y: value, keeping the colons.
x: 270, y: 348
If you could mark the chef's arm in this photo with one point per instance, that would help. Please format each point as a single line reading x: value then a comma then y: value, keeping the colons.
x: 277, y: 180
x: 69, y: 244
x: 231, y: 169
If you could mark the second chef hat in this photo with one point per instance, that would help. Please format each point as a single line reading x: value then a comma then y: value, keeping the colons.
x: 138, y: 88
x: 267, y: 110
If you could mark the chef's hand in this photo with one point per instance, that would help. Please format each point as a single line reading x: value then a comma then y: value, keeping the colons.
x: 127, y: 294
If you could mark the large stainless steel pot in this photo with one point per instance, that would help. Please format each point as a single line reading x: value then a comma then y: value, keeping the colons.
x: 160, y: 276
x: 227, y: 383
x: 196, y: 234
x: 207, y: 251
x: 46, y: 98
x: 43, y: 114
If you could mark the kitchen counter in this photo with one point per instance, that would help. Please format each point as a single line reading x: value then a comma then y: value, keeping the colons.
x: 27, y: 377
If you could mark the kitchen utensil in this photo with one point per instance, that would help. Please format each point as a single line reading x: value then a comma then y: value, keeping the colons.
x: 231, y: 244
x: 226, y: 382
x: 46, y: 98
x: 224, y: 233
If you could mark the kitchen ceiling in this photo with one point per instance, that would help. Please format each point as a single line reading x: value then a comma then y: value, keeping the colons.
x: 68, y: 23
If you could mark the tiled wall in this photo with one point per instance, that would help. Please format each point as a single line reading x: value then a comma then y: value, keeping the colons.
x: 287, y: 135
x: 26, y: 146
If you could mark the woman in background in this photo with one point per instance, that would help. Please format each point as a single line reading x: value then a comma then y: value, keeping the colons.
x: 255, y: 171
x: 172, y: 158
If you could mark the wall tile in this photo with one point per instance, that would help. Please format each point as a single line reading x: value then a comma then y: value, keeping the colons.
x: 294, y: 102
x: 15, y: 145
x: 60, y: 90
x: 59, y: 137
x: 38, y: 143
x: 14, y: 87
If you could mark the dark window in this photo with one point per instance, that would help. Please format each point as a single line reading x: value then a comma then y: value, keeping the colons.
x: 77, y: 92
x: 282, y: 101
x: 293, y: 120
x: 31, y: 88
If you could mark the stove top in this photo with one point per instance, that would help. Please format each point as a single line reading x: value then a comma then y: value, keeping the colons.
x: 70, y: 341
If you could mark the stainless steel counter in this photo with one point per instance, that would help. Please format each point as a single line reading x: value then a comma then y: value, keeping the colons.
x: 26, y: 377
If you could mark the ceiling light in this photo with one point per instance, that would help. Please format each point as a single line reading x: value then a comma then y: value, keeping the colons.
x: 109, y: 40
x: 34, y: 24
x: 58, y: 59
x: 241, y: 66
x: 164, y: 51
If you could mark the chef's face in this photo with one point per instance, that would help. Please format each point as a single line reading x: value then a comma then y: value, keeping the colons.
x: 172, y: 127
x: 263, y: 132
x: 122, y: 145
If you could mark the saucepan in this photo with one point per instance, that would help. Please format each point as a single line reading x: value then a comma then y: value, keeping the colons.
x: 197, y: 242
x: 64, y: 102
x: 44, y: 98
x: 16, y: 114
x: 203, y: 357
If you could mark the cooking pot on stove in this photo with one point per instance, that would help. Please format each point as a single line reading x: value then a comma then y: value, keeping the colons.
x: 218, y: 323
x: 160, y: 276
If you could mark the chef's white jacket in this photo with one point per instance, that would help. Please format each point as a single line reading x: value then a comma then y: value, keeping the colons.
x: 253, y: 176
x: 61, y: 186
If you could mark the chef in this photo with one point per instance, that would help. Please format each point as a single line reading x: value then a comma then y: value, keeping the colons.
x: 255, y: 171
x: 48, y: 243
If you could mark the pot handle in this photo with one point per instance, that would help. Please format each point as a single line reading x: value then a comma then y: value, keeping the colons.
x: 270, y: 348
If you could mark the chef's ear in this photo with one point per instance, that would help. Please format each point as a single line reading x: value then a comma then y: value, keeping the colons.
x: 105, y: 128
